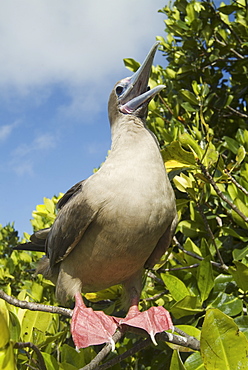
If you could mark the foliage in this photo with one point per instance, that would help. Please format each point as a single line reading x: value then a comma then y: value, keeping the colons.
x: 200, y: 120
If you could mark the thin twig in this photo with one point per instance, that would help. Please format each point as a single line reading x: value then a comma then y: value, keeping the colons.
x: 196, y: 256
x: 240, y: 114
x: 40, y: 358
x: 141, y: 344
x: 185, y: 341
x: 32, y: 306
x: 181, y: 332
x: 235, y: 182
x: 180, y: 268
x: 155, y: 297
x: 219, y: 193
x: 154, y: 277
x: 210, y: 233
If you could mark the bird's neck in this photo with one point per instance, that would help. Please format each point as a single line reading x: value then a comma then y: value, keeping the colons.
x: 129, y: 130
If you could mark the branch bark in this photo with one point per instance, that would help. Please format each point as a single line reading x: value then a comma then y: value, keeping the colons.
x: 182, y: 340
x: 32, y: 306
x: 40, y: 358
x: 220, y: 194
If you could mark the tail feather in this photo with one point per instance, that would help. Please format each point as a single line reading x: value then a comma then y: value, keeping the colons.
x: 30, y: 247
x: 37, y: 242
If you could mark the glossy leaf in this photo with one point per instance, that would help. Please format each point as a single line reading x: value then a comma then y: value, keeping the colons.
x: 175, y: 157
x: 228, y: 304
x: 205, y: 278
x: 223, y: 346
x: 189, y: 96
x: 176, y: 362
x: 176, y: 287
x: 187, y: 306
x: 194, y: 362
x: 240, y: 275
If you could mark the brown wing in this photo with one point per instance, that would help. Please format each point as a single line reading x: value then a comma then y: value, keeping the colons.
x: 69, y: 226
x: 75, y: 189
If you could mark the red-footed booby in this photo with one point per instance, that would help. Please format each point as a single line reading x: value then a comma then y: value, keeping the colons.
x: 115, y: 223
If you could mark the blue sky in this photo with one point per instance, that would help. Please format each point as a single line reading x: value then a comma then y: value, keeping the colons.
x: 59, y: 61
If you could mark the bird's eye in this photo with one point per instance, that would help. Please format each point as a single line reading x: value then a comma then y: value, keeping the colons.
x: 119, y: 90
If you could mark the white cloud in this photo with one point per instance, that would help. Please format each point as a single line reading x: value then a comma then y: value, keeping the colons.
x: 6, y: 130
x: 78, y: 44
x: 78, y: 41
x: 25, y: 156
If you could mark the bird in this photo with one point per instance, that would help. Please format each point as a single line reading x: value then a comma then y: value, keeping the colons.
x: 116, y: 223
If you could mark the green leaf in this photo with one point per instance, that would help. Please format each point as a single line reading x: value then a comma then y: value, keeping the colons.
x: 223, y: 346
x: 14, y: 327
x: 244, y: 209
x: 231, y: 144
x: 242, y: 322
x: 241, y: 153
x: 187, y: 306
x: 194, y: 362
x: 73, y: 357
x: 221, y: 282
x: 240, y: 275
x: 232, y: 232
x: 176, y: 287
x: 7, y: 361
x: 36, y: 292
x: 228, y: 9
x: 238, y: 254
x: 183, y: 182
x: 51, y: 363
x: 189, y: 96
x: 187, y: 140
x: 176, y: 362
x: 175, y: 157
x: 4, y: 338
x: 131, y: 64
x: 34, y: 319
x: 205, y: 278
x: 228, y: 304
x: 49, y: 204
x: 191, y: 229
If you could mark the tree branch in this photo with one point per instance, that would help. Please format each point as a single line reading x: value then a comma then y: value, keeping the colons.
x: 211, y: 235
x: 240, y: 114
x: 155, y: 297
x: 185, y: 340
x: 196, y: 256
x: 235, y: 182
x: 104, y: 352
x: 40, y: 358
x: 179, y: 268
x: 32, y: 306
x: 220, y: 194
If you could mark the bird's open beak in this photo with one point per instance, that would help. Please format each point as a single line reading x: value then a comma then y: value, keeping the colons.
x: 134, y: 91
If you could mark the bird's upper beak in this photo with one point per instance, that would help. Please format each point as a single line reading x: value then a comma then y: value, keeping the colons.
x: 133, y: 92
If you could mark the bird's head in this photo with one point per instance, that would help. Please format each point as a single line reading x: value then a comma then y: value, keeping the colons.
x: 131, y: 95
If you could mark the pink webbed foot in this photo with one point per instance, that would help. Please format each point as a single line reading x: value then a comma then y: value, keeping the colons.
x: 154, y: 320
x: 90, y: 327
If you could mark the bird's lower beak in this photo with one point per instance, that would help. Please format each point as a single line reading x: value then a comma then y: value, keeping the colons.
x: 137, y: 92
